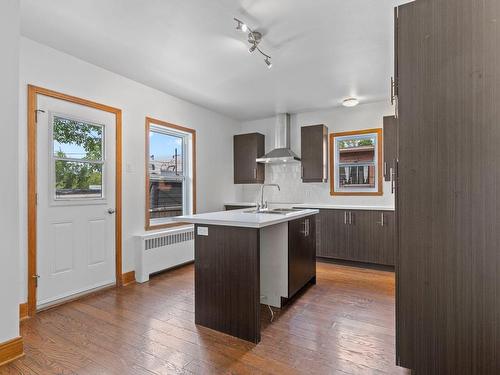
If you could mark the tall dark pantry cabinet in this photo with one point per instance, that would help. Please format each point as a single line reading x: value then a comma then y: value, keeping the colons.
x: 448, y: 188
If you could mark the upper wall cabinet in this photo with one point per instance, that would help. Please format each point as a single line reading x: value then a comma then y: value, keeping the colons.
x: 314, y: 154
x: 390, y: 147
x: 247, y: 148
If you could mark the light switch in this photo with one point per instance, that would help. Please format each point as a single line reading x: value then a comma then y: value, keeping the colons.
x: 202, y: 231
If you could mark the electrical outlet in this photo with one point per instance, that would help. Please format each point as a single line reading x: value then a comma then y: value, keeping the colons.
x: 202, y: 231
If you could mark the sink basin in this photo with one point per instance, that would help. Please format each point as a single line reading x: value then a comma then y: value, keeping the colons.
x: 275, y: 211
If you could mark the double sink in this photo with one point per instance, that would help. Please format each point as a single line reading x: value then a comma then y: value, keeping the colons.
x: 275, y: 211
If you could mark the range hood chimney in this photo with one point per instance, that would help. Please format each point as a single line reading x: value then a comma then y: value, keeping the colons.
x: 281, y: 152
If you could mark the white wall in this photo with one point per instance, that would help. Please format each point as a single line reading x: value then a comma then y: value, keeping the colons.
x: 9, y: 216
x: 46, y: 67
x: 365, y: 116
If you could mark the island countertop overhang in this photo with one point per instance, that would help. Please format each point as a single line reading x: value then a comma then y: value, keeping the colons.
x: 241, y: 218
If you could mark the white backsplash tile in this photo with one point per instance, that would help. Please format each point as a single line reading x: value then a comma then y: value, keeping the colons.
x: 293, y: 190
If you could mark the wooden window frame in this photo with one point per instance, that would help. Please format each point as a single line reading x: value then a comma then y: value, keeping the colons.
x: 152, y: 121
x: 380, y: 176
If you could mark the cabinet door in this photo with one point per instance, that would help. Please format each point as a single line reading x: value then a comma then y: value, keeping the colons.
x: 332, y: 234
x: 314, y: 153
x: 371, y: 237
x: 390, y: 146
x: 247, y: 148
x: 301, y: 253
x: 360, y: 235
x: 387, y: 247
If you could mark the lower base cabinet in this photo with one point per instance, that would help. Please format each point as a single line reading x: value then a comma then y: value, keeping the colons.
x: 361, y: 236
x: 301, y: 253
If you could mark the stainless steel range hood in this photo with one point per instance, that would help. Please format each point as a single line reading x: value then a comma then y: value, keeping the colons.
x: 281, y: 153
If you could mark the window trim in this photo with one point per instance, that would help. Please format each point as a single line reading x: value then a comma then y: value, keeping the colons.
x: 149, y: 122
x: 333, y: 181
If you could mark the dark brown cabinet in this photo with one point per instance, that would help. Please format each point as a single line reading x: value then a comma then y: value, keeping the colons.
x: 361, y: 236
x: 301, y: 253
x: 230, y: 207
x: 390, y: 147
x: 247, y: 148
x: 448, y: 193
x: 314, y: 153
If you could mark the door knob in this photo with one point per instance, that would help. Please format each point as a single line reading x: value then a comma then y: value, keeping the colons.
x: 111, y: 211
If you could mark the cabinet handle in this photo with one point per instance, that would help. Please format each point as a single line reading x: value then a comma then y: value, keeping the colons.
x: 393, y: 181
x: 392, y: 91
x: 350, y: 218
x: 305, y: 232
x: 382, y: 219
x: 345, y: 217
x: 255, y: 173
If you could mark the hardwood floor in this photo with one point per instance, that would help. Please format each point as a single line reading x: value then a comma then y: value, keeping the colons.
x: 342, y: 325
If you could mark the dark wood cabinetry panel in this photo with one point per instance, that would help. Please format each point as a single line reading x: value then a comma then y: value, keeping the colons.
x: 448, y: 195
x: 227, y: 280
x: 390, y: 146
x: 371, y: 237
x: 357, y: 236
x: 246, y: 149
x: 230, y: 207
x: 332, y: 234
x: 314, y: 153
x: 301, y: 253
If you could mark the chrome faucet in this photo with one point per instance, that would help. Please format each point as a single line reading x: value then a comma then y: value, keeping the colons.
x: 263, y: 205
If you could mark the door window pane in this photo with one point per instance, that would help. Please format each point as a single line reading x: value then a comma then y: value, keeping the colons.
x: 78, y: 180
x: 78, y: 159
x: 77, y: 139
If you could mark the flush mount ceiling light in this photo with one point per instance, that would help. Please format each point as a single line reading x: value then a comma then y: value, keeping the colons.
x: 350, y: 102
x: 254, y: 38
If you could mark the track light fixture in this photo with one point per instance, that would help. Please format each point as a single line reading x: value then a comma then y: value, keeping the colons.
x: 254, y: 38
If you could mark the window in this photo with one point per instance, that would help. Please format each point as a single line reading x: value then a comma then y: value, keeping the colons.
x: 170, y: 177
x: 356, y: 165
x: 77, y: 159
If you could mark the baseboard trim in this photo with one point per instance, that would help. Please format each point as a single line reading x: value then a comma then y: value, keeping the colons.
x: 128, y: 278
x: 23, y: 311
x: 353, y: 263
x: 11, y: 350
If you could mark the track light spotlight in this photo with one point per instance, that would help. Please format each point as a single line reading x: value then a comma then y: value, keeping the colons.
x: 268, y: 62
x: 239, y: 25
x: 244, y: 28
x: 252, y: 48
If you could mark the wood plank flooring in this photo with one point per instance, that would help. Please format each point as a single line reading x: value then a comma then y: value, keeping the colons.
x: 342, y: 325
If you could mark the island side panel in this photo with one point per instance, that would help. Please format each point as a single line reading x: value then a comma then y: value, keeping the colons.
x: 227, y: 280
x: 274, y: 264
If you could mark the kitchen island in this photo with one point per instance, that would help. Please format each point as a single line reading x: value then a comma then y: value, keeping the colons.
x: 244, y: 258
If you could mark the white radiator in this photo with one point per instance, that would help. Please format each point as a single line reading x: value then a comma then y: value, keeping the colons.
x: 159, y: 251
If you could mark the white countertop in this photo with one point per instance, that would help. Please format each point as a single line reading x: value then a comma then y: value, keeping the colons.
x: 343, y: 207
x: 240, y: 218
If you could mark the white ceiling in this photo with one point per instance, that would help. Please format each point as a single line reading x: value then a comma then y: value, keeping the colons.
x: 323, y: 50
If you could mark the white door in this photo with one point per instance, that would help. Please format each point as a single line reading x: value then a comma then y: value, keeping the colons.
x: 76, y: 199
